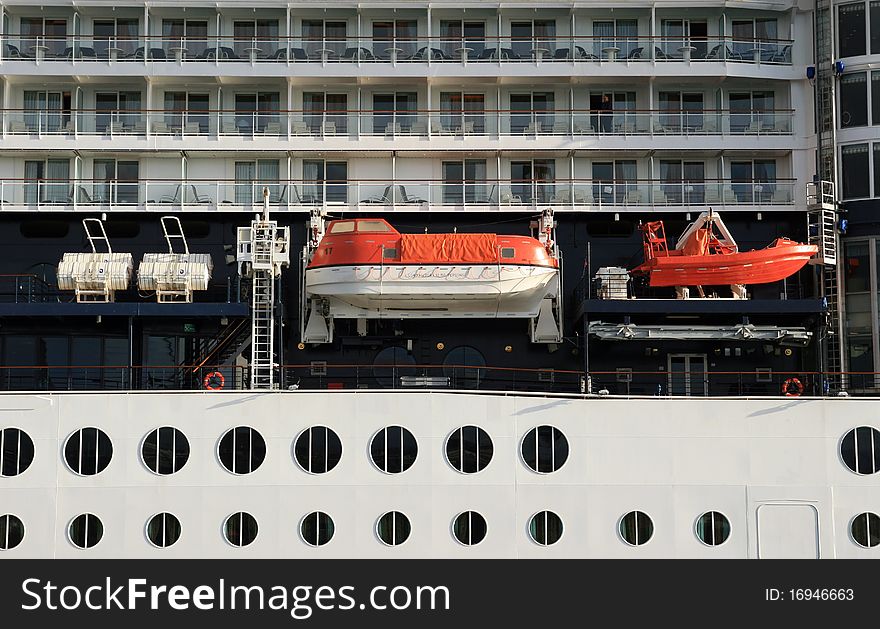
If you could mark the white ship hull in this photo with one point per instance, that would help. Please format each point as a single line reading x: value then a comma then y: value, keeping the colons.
x: 419, y: 290
x: 771, y: 466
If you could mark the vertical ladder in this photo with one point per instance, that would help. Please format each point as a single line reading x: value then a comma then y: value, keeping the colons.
x: 263, y: 306
x: 822, y: 205
x: 822, y: 232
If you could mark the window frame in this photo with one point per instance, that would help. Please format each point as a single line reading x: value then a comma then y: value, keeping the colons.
x: 384, y: 430
x: 252, y: 469
x: 19, y: 470
x: 175, y: 434
x: 147, y: 529
x: 555, y: 467
x: 309, y: 430
x: 79, y: 431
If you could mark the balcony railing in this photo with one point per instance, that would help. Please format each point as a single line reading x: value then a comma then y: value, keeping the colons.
x: 417, y: 49
x: 364, y: 195
x: 421, y: 123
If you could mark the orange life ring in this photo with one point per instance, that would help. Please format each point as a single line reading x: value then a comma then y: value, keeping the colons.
x: 798, y: 387
x: 214, y: 381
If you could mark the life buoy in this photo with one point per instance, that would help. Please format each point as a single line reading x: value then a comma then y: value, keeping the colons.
x: 214, y: 381
x: 792, y: 382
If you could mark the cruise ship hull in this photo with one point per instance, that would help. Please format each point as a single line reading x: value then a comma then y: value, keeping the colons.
x: 771, y: 466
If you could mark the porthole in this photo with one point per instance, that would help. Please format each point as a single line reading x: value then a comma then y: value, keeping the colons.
x: 860, y: 450
x: 464, y: 366
x: 165, y: 450
x: 317, y: 528
x: 393, y: 449
x: 240, y: 529
x: 163, y: 530
x: 545, y: 528
x: 865, y: 529
x: 11, y: 531
x: 317, y: 450
x: 712, y: 528
x: 392, y: 364
x: 545, y: 449
x: 241, y: 450
x: 16, y: 451
x: 85, y: 530
x: 393, y: 528
x: 636, y: 528
x: 469, y: 449
x: 88, y: 451
x: 469, y: 528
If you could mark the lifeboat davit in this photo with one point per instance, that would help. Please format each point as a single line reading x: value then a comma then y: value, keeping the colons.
x: 707, y: 255
x: 364, y: 267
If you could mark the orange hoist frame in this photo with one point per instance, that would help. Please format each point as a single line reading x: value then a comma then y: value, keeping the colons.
x: 654, y: 240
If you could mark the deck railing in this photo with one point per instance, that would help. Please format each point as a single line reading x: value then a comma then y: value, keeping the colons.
x: 395, y: 50
x: 415, y: 123
x: 323, y: 376
x: 364, y: 194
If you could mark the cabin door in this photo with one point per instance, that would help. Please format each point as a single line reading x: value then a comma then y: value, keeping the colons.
x: 687, y: 374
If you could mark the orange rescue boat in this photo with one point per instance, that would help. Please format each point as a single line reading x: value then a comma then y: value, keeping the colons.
x: 707, y: 255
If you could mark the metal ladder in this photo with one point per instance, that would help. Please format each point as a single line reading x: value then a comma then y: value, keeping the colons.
x: 822, y: 206
x: 263, y: 307
x: 822, y: 232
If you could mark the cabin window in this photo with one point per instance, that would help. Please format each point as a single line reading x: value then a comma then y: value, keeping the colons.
x: 373, y: 226
x: 393, y: 449
x: 163, y: 530
x: 545, y: 528
x: 240, y: 529
x: 16, y: 451
x: 88, y: 451
x: 85, y: 530
x: 860, y: 450
x: 317, y: 528
x: 393, y: 528
x: 342, y: 227
x: 854, y: 100
x: 855, y: 170
x: 242, y: 450
x: 389, y: 253
x: 712, y: 528
x: 865, y: 529
x: 636, y: 528
x: 317, y: 450
x: 851, y: 29
x: 165, y: 450
x: 11, y: 531
x: 544, y: 449
x: 469, y: 528
x: 507, y: 252
x: 469, y: 449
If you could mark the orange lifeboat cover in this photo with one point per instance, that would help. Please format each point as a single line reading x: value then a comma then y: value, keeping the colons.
x: 697, y: 244
x: 448, y: 248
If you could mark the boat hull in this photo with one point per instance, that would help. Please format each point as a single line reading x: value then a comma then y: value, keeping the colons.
x: 489, y: 290
x: 762, y: 266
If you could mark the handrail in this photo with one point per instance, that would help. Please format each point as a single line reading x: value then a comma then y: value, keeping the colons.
x: 202, y: 39
x: 388, y: 179
x: 402, y: 112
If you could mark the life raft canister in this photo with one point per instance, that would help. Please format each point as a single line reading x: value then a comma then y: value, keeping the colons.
x: 214, y: 381
x: 787, y: 387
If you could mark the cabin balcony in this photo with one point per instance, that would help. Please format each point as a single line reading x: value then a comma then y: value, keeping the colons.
x: 326, y: 130
x: 401, y: 195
